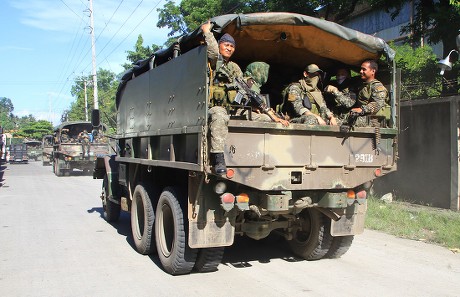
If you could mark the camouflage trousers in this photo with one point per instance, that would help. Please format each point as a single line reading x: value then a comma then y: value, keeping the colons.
x: 255, y: 116
x: 218, y: 126
x: 306, y: 119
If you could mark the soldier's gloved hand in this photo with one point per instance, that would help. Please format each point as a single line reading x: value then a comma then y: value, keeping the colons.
x: 331, y: 89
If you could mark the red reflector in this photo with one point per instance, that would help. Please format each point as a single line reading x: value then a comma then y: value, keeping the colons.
x: 361, y: 194
x: 230, y: 173
x: 227, y: 198
x: 242, y: 198
x: 378, y: 172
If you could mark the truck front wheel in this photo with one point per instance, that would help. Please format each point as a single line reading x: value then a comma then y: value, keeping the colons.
x: 142, y: 220
x: 171, y: 234
x: 111, y: 209
x: 312, y: 240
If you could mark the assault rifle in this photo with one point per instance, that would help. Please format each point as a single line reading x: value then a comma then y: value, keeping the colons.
x: 246, y: 96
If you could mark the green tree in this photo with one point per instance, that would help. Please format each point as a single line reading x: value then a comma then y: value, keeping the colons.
x: 107, y: 86
x: 6, y: 114
x: 190, y: 14
x: 419, y: 72
x: 35, y: 130
x: 140, y: 52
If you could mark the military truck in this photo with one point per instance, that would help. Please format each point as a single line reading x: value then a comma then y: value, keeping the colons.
x: 307, y: 184
x: 18, y: 153
x: 34, y: 150
x: 47, y: 150
x: 76, y: 145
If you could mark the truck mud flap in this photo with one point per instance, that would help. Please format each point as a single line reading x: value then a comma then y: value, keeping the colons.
x: 211, y: 234
x: 351, y: 223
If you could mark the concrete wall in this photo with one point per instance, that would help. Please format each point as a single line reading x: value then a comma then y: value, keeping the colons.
x: 428, y: 165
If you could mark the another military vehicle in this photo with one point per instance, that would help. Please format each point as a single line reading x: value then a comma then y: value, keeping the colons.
x: 34, y: 150
x: 47, y: 150
x: 75, y: 147
x: 18, y: 153
x: 308, y: 184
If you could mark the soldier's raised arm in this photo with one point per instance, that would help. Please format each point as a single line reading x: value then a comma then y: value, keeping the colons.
x: 213, y: 48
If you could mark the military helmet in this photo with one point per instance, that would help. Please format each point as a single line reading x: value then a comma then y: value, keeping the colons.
x: 258, y: 71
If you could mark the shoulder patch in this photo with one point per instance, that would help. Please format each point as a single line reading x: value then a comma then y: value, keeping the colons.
x: 380, y: 88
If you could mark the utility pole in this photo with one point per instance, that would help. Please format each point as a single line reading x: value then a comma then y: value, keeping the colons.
x: 86, y: 101
x: 93, y: 50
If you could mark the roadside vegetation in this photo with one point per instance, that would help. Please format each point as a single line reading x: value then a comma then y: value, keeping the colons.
x: 422, y: 223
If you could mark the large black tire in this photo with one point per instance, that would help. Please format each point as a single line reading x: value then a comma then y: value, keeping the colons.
x: 111, y: 209
x: 313, y: 240
x: 208, y: 259
x: 142, y: 220
x: 171, y: 231
x: 339, y: 246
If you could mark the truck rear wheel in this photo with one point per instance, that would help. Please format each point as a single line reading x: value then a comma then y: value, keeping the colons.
x: 171, y: 233
x: 339, y: 246
x: 313, y: 239
x: 142, y: 220
x: 208, y: 259
x: 57, y: 169
x: 111, y: 209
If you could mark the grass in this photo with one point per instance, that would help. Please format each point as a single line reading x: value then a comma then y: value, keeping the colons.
x: 405, y: 220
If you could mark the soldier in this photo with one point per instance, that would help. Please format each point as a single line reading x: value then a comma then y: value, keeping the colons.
x: 256, y: 75
x: 340, y: 95
x: 304, y: 102
x: 223, y: 71
x: 372, y: 96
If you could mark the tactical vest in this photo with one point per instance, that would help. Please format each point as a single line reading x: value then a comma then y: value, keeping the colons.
x: 309, y: 98
x: 366, y: 93
x: 221, y: 93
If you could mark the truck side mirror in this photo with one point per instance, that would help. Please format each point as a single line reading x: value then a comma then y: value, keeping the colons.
x: 95, y: 118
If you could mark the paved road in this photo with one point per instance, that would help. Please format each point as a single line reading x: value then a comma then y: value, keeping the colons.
x: 54, y: 242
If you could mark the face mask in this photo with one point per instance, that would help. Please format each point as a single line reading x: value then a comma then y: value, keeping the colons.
x: 341, y: 78
x: 312, y: 81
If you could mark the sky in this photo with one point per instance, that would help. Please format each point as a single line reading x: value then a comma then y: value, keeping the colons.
x: 46, y: 44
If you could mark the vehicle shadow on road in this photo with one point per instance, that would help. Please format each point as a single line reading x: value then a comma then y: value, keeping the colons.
x: 243, y: 251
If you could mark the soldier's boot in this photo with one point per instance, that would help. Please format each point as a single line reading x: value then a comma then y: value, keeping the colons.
x: 219, y: 163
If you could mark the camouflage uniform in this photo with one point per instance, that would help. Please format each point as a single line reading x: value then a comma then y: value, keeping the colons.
x: 343, y: 100
x: 224, y: 74
x: 294, y: 106
x: 256, y: 75
x: 372, y: 97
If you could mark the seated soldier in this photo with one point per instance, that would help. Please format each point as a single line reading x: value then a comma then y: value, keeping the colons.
x: 304, y: 102
x: 340, y: 95
x: 255, y: 76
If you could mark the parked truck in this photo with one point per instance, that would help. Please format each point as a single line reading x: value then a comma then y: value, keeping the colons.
x: 18, y: 153
x: 76, y: 146
x: 34, y: 150
x: 308, y: 184
x: 47, y: 150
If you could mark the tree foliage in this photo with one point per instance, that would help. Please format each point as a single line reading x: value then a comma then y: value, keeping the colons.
x: 107, y: 87
x: 140, y: 52
x: 190, y: 14
x: 419, y: 73
x: 35, y: 129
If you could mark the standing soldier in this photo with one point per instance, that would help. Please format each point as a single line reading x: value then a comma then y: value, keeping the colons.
x: 223, y: 72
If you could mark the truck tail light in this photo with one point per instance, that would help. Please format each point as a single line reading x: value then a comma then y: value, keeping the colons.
x: 242, y: 201
x: 228, y: 201
x: 351, y: 194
